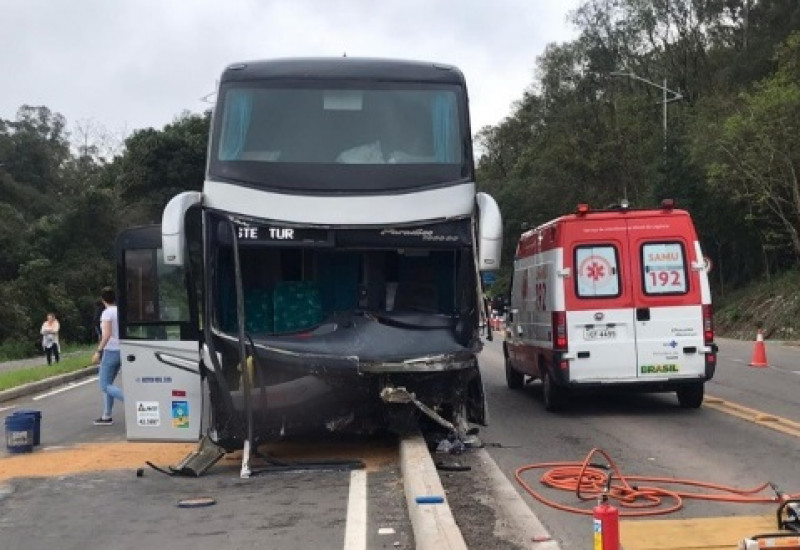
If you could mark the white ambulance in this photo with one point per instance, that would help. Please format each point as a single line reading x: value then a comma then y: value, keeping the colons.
x: 611, y: 298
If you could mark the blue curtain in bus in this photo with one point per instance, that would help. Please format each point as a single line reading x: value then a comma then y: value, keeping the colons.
x: 337, y: 277
x: 238, y: 108
x: 226, y: 298
x: 445, y: 124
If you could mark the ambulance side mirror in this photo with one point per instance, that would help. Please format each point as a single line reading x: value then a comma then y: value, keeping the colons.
x: 490, y: 233
x: 173, y: 226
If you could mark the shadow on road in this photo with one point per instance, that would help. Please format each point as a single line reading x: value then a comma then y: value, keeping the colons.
x: 597, y: 402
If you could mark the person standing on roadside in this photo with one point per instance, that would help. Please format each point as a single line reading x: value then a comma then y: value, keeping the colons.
x: 107, y: 356
x: 50, y: 329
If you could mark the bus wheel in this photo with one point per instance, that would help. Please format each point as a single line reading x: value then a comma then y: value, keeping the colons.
x: 552, y: 394
x: 690, y: 396
x: 514, y: 379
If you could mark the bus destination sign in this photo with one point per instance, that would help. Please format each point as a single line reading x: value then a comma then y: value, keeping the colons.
x: 267, y: 233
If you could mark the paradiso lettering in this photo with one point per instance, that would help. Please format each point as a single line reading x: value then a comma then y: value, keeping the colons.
x: 424, y: 234
x: 660, y: 369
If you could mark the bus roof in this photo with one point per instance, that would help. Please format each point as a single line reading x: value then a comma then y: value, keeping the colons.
x: 343, y: 67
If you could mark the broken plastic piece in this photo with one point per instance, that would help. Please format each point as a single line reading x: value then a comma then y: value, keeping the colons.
x: 453, y: 447
x: 198, y: 461
x: 433, y: 499
x: 441, y: 466
x: 196, y: 502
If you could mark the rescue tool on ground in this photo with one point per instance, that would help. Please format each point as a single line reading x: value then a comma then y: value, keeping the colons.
x: 611, y: 298
x: 788, y: 523
x: 328, y: 276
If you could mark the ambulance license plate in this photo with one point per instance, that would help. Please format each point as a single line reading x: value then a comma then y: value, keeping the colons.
x: 599, y: 334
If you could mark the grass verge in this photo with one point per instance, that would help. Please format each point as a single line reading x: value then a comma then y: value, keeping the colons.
x: 12, y: 379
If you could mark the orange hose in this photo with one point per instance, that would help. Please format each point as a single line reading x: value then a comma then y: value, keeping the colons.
x: 589, y: 482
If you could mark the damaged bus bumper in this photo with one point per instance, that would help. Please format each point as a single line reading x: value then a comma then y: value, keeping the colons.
x: 294, y: 393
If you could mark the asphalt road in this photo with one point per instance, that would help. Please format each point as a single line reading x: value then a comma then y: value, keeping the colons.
x: 108, y: 509
x: 773, y: 389
x: 648, y: 434
x: 117, y: 510
x: 644, y: 434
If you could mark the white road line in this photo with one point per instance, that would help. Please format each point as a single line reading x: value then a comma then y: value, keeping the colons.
x: 3, y: 409
x: 69, y: 386
x: 355, y: 534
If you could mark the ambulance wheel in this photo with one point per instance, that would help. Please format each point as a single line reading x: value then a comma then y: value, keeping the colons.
x: 514, y: 379
x: 552, y: 394
x: 691, y: 396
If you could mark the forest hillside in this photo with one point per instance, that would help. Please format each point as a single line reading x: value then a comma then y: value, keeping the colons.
x: 695, y: 100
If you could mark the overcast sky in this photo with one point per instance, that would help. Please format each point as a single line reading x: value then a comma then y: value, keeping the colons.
x: 130, y: 64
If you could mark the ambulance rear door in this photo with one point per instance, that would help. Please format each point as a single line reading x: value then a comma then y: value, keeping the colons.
x: 668, y: 307
x: 600, y: 314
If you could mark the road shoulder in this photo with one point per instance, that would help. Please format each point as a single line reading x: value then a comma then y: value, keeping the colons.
x: 488, y: 508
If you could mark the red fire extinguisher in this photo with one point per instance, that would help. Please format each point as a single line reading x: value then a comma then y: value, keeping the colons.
x: 606, y: 525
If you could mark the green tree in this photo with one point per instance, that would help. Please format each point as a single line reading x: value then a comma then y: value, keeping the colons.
x: 33, y: 147
x: 759, y: 146
x: 62, y: 206
x: 159, y: 164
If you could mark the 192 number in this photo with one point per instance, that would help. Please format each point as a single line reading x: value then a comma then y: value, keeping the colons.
x: 665, y: 278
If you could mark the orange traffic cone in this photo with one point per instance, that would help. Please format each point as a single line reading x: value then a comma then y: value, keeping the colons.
x: 759, y: 352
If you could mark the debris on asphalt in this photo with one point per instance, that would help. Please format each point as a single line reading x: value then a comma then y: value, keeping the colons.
x: 451, y: 445
x: 452, y: 467
x: 196, y: 502
x: 432, y: 499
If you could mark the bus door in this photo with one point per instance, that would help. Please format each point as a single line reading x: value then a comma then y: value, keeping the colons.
x: 159, y: 341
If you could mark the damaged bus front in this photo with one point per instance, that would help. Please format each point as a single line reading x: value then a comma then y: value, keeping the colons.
x: 334, y: 256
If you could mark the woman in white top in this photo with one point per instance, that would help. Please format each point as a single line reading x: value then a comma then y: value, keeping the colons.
x: 107, y: 355
x: 49, y: 333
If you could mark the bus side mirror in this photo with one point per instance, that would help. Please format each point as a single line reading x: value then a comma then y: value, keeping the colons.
x: 490, y: 233
x: 173, y: 226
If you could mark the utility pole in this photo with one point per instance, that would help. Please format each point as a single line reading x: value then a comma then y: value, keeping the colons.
x: 676, y: 96
x: 664, y: 103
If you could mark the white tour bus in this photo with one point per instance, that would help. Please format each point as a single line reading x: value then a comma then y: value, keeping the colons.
x: 327, y: 278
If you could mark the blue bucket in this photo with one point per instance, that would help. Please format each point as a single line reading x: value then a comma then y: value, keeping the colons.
x: 37, y: 422
x: 19, y: 433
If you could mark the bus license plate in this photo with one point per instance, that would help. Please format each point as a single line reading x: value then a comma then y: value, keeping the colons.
x: 599, y: 334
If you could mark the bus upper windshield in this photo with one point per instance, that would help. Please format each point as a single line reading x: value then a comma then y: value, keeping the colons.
x: 276, y: 135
